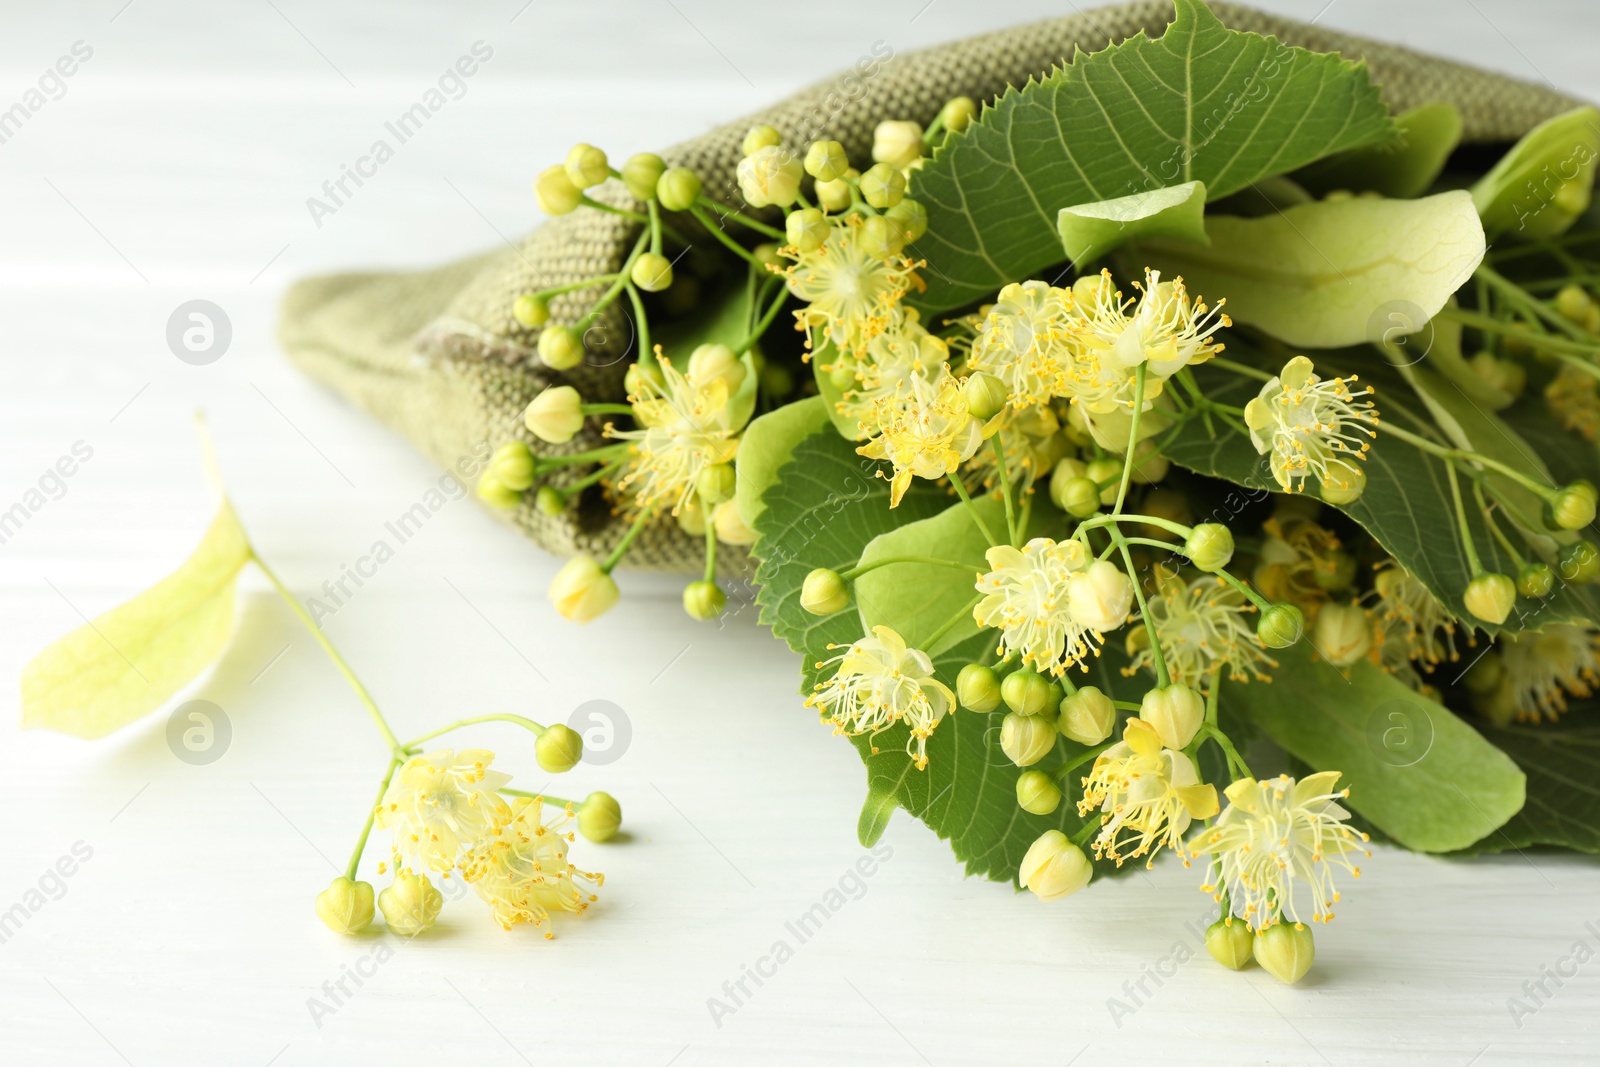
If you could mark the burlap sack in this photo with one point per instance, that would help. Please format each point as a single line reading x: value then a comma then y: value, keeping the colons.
x: 437, y: 355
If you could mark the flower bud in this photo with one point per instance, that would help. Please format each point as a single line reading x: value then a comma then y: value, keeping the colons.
x: 1026, y: 739
x: 599, y: 817
x: 587, y: 166
x: 1343, y: 633
x: 759, y: 137
x: 1078, y: 497
x: 1578, y: 562
x: 1175, y: 713
x: 1573, y: 302
x: 1333, y: 571
x: 704, y: 600
x: 897, y: 144
x: 1573, y: 506
x: 558, y: 749
x: 1230, y: 942
x: 530, y: 310
x: 411, y: 904
x: 1066, y: 469
x: 345, y: 907
x: 882, y: 186
x: 641, y: 173
x: 826, y: 161
x: 716, y: 483
x: 807, y: 229
x: 1490, y: 597
x: 770, y: 175
x: 495, y: 493
x: 770, y: 254
x: 1209, y: 547
x: 978, y: 688
x: 651, y: 272
x: 1535, y: 580
x: 731, y: 528
x: 985, y: 395
x: 1280, y: 625
x: 1346, y: 481
x: 561, y: 347
x: 958, y: 113
x: 691, y: 518
x: 1028, y: 692
x: 1100, y: 596
x: 1285, y: 951
x: 1149, y: 465
x: 1054, y: 867
x: 910, y: 218
x: 512, y: 465
x: 581, y: 591
x: 708, y: 363
x: 678, y: 189
x: 1037, y: 793
x: 833, y: 195
x: 550, y: 501
x: 1087, y: 716
x: 1107, y: 473
x: 824, y: 592
x: 638, y: 373
x: 555, y: 192
x: 555, y: 415
x: 879, y: 238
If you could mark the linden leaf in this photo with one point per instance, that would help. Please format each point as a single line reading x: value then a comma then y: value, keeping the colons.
x: 766, y: 446
x: 1089, y: 231
x: 1200, y: 103
x: 1404, y: 168
x: 1320, y: 275
x: 1540, y: 187
x: 1561, y: 760
x: 132, y: 659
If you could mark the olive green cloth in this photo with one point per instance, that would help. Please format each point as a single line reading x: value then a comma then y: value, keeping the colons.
x: 437, y: 356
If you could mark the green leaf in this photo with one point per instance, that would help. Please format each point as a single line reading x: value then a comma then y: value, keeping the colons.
x: 822, y: 511
x: 1202, y: 102
x: 1407, y: 504
x: 132, y: 659
x: 1539, y: 188
x: 1562, y: 762
x: 1413, y: 768
x: 1089, y: 231
x: 766, y: 446
x: 1319, y: 275
x: 918, y: 599
x: 1403, y: 168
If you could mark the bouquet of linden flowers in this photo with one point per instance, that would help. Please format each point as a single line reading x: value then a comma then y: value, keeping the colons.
x: 1069, y: 483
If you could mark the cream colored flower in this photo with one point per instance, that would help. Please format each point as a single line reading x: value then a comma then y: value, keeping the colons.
x: 687, y: 427
x: 1147, y: 796
x: 581, y: 591
x: 1202, y: 626
x: 1544, y: 668
x: 1274, y: 833
x: 851, y: 295
x: 1054, y: 867
x: 1573, y: 399
x: 1023, y: 341
x: 880, y: 682
x: 878, y: 372
x: 522, y: 871
x: 1100, y: 596
x: 925, y: 431
x: 1311, y: 426
x: 441, y: 805
x: 1410, y: 620
x: 770, y: 175
x: 1025, y: 598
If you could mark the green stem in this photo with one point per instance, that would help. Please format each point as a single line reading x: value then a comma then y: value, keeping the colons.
x: 1012, y: 532
x: 951, y: 623
x: 655, y: 227
x: 972, y: 509
x: 1235, y: 761
x: 1241, y: 368
x: 1248, y: 591
x: 641, y: 321
x: 643, y: 220
x: 1133, y: 435
x: 859, y: 570
x: 716, y: 232
x: 1080, y: 759
x: 1479, y: 458
x: 1159, y: 661
x: 1150, y: 520
x: 333, y: 654
x: 627, y: 541
x: 571, y: 287
x: 1090, y: 828
x: 704, y: 202
x: 366, y: 828
x: 616, y: 287
x: 1494, y: 527
x: 711, y: 547
x: 548, y: 798
x: 761, y: 326
x: 520, y: 720
x: 1539, y: 341
x: 1475, y: 567
x: 577, y: 459
x: 606, y: 409
x: 1518, y: 296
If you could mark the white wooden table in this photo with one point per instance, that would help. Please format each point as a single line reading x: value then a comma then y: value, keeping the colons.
x: 175, y: 165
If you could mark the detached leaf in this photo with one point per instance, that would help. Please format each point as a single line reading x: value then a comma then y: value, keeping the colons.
x: 132, y: 659
x: 766, y: 446
x: 1320, y: 275
x: 1201, y: 103
x: 1540, y: 187
x: 1403, y: 168
x: 1089, y: 231
x: 1414, y: 769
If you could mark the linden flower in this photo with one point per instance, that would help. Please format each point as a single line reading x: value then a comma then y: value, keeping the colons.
x: 1573, y: 398
x: 442, y: 804
x: 889, y: 359
x: 851, y: 294
x: 522, y: 871
x: 881, y: 682
x: 1543, y: 669
x: 1411, y: 619
x: 687, y: 427
x: 1202, y: 627
x: 1311, y: 426
x: 1026, y: 599
x: 1147, y: 796
x: 1023, y: 342
x: 925, y: 430
x: 1164, y: 331
x: 1273, y: 833
x: 1032, y: 442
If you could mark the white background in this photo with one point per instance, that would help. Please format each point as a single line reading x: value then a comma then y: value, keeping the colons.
x: 177, y: 166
